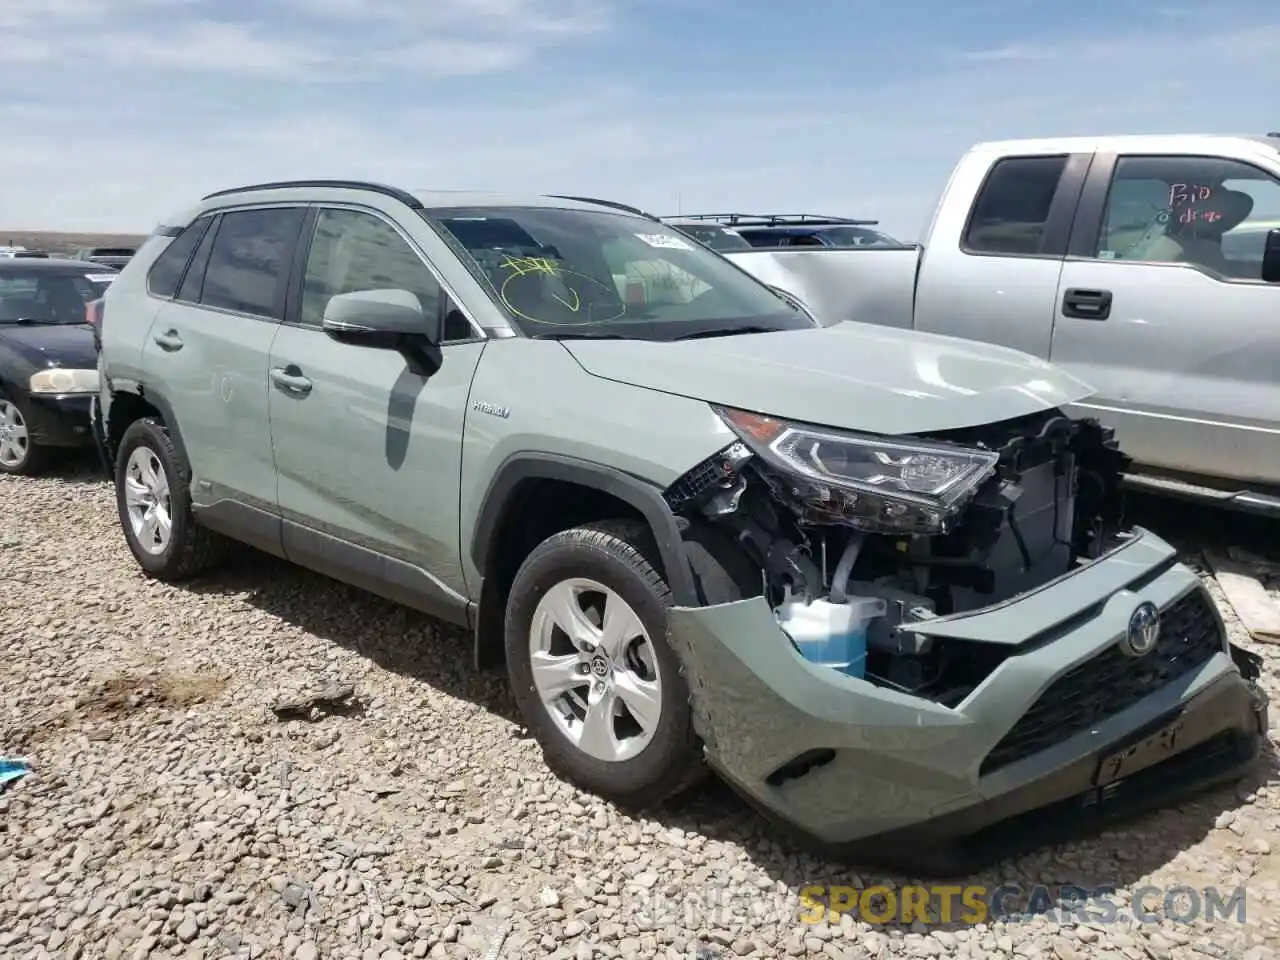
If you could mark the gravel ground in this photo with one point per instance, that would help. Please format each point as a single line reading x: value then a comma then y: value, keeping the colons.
x: 171, y: 812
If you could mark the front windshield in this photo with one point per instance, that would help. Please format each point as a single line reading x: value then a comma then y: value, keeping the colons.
x: 45, y: 297
x: 558, y: 272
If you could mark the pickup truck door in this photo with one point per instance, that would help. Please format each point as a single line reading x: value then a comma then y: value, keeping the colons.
x: 990, y: 269
x: 368, y: 450
x: 1168, y: 317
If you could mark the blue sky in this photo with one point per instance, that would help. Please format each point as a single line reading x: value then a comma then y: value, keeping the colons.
x: 116, y: 112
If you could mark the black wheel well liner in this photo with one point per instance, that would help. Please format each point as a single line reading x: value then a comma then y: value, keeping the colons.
x: 644, y: 497
x: 156, y: 401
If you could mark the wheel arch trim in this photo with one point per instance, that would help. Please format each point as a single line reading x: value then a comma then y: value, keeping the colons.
x: 645, y: 497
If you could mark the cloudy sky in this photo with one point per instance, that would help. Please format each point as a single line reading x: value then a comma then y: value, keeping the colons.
x: 115, y: 112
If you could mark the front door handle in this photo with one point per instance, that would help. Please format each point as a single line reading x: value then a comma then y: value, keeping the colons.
x: 290, y: 380
x: 1086, y: 304
x: 169, y: 340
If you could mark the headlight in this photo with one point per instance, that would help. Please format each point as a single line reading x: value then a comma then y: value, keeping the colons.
x: 59, y: 380
x: 875, y: 484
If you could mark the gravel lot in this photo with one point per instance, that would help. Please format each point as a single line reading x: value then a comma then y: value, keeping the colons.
x: 172, y: 813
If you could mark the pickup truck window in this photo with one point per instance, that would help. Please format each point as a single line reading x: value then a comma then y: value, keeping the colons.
x: 1012, y: 208
x: 1207, y: 211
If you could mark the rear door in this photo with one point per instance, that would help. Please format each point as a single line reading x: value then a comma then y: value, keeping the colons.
x: 208, y: 352
x: 1162, y: 307
x: 990, y: 273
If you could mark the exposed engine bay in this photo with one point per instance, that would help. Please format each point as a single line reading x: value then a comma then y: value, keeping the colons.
x: 1035, y: 498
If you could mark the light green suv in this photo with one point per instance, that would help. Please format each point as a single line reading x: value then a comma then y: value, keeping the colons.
x: 871, y: 577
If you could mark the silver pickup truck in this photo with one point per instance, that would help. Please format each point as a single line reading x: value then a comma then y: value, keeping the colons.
x: 1147, y: 266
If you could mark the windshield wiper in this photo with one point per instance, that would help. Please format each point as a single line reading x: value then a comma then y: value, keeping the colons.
x: 34, y: 322
x: 726, y: 332
x: 579, y: 336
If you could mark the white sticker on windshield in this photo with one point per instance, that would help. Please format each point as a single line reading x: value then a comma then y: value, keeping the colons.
x: 663, y: 242
x: 101, y: 277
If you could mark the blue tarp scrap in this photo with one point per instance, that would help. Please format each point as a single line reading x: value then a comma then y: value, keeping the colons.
x: 11, y: 770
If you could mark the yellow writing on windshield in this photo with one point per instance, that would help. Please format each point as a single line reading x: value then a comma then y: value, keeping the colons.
x: 519, y: 266
x: 577, y: 302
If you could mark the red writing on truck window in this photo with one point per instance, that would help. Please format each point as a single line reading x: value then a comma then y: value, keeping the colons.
x: 1183, y: 193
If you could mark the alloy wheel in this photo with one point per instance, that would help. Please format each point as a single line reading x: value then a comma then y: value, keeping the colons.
x: 146, y: 492
x: 15, y: 443
x: 594, y: 668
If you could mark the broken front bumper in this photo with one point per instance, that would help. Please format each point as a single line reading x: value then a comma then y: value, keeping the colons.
x: 1067, y: 729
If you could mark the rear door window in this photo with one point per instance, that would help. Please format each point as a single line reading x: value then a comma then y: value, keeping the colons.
x: 249, y: 262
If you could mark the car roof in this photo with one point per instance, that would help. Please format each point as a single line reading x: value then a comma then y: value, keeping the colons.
x: 311, y: 191
x: 308, y: 190
x: 49, y: 265
x: 1131, y: 143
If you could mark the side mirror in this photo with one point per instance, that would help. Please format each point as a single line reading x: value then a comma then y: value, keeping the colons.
x: 1271, y: 257
x: 379, y: 318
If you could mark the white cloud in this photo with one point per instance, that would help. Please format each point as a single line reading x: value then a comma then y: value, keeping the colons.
x: 165, y: 100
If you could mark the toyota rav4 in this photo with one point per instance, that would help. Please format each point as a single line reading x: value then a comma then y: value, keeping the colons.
x: 873, y: 578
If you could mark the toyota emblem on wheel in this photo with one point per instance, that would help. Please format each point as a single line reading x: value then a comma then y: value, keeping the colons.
x: 1144, y: 630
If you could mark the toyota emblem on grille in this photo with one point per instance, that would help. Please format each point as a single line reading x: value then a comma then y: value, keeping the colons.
x: 1144, y: 630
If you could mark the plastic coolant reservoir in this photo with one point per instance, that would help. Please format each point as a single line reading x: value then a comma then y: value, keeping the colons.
x: 831, y: 634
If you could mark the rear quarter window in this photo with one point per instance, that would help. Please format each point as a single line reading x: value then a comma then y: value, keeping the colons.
x: 1012, y: 207
x: 166, y: 273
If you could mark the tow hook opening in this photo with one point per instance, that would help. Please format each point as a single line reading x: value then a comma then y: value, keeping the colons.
x: 1248, y: 663
x: 800, y: 765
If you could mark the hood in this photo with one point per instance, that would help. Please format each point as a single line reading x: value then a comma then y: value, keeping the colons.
x: 64, y: 345
x: 852, y: 376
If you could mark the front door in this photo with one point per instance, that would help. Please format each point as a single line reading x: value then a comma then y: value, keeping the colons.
x: 368, y: 452
x: 208, y: 349
x: 1166, y: 315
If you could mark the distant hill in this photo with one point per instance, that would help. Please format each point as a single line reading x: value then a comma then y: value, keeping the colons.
x: 58, y: 243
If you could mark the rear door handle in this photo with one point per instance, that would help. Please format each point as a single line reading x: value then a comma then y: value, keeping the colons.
x: 1086, y: 304
x: 169, y: 340
x: 290, y: 380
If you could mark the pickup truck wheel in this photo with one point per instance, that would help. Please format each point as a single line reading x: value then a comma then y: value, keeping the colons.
x: 19, y: 454
x: 594, y: 678
x: 154, y: 501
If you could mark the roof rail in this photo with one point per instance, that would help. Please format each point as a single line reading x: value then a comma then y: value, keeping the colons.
x: 774, y: 219
x: 408, y: 199
x: 605, y: 203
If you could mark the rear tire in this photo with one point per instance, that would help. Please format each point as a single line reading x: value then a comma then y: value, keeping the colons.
x: 153, y: 497
x: 611, y: 565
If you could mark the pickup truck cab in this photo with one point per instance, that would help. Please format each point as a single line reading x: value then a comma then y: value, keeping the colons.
x: 1146, y: 265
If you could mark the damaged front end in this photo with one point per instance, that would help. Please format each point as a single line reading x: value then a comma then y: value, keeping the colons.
x: 933, y: 632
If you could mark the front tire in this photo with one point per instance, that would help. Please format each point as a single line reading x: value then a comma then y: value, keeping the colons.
x: 153, y: 497
x: 593, y: 675
x: 19, y: 454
